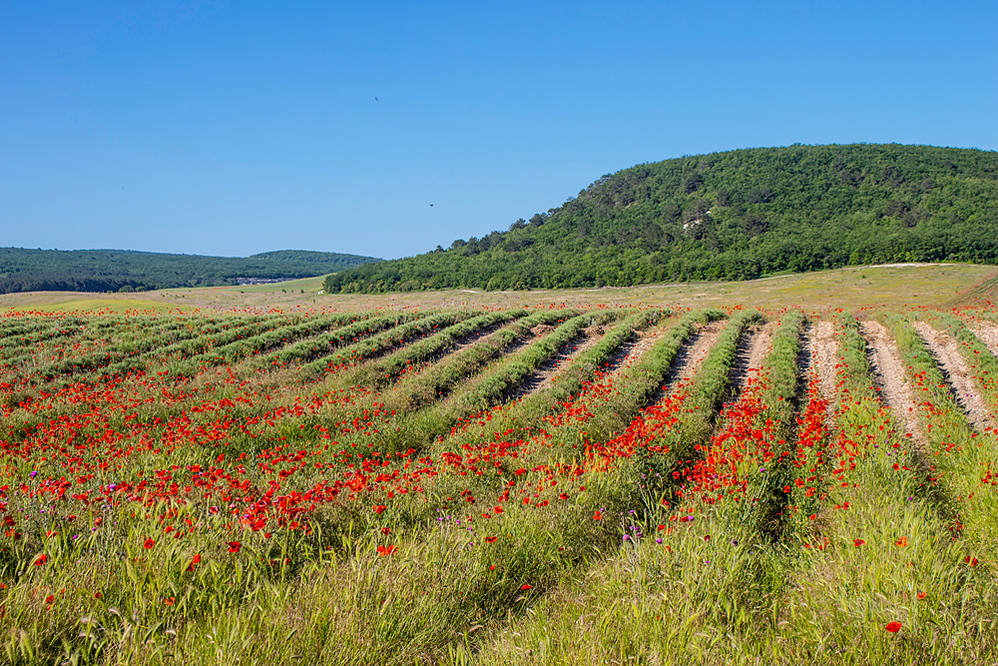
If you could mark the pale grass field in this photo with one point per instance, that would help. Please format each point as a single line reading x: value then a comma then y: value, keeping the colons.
x: 211, y: 509
x: 893, y: 286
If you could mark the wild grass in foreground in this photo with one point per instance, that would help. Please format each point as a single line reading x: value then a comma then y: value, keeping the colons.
x: 546, y: 486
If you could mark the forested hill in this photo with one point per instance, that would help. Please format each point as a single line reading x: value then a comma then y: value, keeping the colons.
x: 113, y: 270
x: 732, y: 215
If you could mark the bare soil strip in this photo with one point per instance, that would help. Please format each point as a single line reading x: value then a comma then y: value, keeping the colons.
x: 476, y: 337
x: 632, y: 351
x: 891, y: 381
x: 752, y: 349
x: 822, y: 349
x: 691, y: 355
x: 478, y: 334
x: 646, y: 340
x: 958, y: 375
x: 988, y: 334
x: 688, y: 358
x: 761, y: 344
x: 545, y: 374
x: 628, y: 354
x: 618, y: 357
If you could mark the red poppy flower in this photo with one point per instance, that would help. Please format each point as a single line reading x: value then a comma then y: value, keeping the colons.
x: 597, y: 515
x: 903, y: 541
x: 526, y: 586
x: 386, y: 550
x: 149, y: 543
x: 41, y: 559
x: 893, y: 627
x: 234, y: 546
x: 920, y: 595
x: 858, y: 542
x: 195, y: 560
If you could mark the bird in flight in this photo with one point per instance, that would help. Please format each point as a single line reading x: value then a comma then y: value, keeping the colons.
x: 376, y: 99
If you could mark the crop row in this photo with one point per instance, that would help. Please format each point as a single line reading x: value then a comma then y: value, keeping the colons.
x: 612, y: 513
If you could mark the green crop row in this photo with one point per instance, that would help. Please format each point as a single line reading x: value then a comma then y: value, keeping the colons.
x: 324, y: 343
x: 418, y: 429
x: 389, y: 369
x: 383, y: 342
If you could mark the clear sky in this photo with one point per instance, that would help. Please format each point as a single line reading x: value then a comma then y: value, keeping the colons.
x: 234, y: 128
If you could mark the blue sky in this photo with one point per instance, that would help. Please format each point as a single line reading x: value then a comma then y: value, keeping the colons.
x: 233, y: 128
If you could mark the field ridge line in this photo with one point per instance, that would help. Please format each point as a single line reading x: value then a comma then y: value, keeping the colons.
x: 988, y: 334
x: 958, y: 376
x: 823, y: 349
x: 891, y: 381
x: 693, y: 353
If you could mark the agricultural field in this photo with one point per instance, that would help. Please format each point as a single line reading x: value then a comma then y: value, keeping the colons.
x: 559, y: 483
x: 896, y: 285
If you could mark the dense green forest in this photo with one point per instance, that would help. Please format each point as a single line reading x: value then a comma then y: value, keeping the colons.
x: 731, y: 215
x: 121, y: 270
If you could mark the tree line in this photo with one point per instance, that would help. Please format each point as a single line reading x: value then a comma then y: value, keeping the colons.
x: 734, y: 215
x: 121, y: 270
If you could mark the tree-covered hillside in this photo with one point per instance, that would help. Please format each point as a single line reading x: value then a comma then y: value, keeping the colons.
x: 112, y: 270
x: 732, y: 215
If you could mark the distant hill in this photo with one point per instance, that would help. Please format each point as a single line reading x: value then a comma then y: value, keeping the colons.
x: 124, y: 270
x: 731, y: 215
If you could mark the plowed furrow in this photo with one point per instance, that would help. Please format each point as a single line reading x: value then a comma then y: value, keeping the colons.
x: 751, y: 352
x: 631, y: 352
x: 822, y: 349
x: 958, y: 375
x: 690, y: 356
x: 988, y: 334
x: 891, y: 381
x: 688, y: 359
x: 544, y: 375
x: 761, y: 343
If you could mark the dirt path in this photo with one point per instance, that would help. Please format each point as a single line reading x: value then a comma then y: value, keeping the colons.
x: 488, y: 336
x: 646, y: 340
x: 822, y: 350
x: 988, y: 334
x: 752, y: 349
x: 631, y: 351
x: 628, y: 354
x: 892, y: 382
x: 958, y: 375
x: 688, y: 359
x: 691, y: 355
x: 761, y: 345
x: 475, y: 337
x: 546, y: 374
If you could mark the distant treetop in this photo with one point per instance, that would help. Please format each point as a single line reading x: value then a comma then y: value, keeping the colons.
x: 732, y: 215
x: 126, y: 270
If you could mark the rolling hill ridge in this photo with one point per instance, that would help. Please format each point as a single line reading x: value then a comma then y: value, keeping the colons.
x: 113, y: 270
x: 731, y: 215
